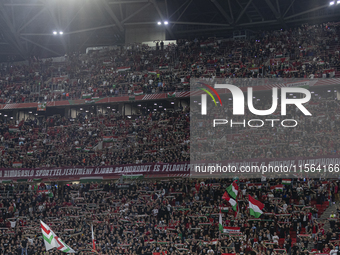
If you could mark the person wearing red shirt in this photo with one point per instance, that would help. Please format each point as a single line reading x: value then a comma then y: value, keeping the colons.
x: 326, y: 249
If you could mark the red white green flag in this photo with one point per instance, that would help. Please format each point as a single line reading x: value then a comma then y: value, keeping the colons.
x: 233, y: 190
x: 255, y: 207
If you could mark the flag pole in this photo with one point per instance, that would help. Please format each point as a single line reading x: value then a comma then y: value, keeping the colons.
x: 222, y: 224
x: 93, y: 242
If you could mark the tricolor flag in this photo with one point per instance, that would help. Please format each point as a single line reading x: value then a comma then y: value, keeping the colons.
x: 13, y: 129
x: 230, y: 230
x: 257, y: 185
x: 123, y: 69
x: 215, y: 241
x: 224, y: 209
x: 277, y: 187
x: 30, y: 153
x: 152, y: 72
x: 93, y: 241
x: 87, y: 149
x: 17, y: 164
x: 286, y: 181
x: 255, y: 207
x: 254, y: 69
x: 231, y: 201
x: 171, y: 95
x: 279, y: 55
x: 52, y: 240
x: 233, y: 190
x: 321, y: 63
x: 220, y: 223
x: 78, y: 148
x: 48, y: 236
x: 87, y: 95
x: 108, y: 139
x: 163, y: 67
x: 138, y: 93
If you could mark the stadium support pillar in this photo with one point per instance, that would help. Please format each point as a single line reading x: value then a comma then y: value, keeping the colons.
x: 177, y: 104
x: 338, y: 94
x: 67, y: 112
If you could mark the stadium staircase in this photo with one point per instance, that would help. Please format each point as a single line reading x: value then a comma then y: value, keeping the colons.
x: 324, y: 210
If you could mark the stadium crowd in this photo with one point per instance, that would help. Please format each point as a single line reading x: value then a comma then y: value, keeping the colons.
x: 57, y: 141
x: 310, y: 51
x: 170, y: 216
x: 316, y: 135
x: 177, y: 216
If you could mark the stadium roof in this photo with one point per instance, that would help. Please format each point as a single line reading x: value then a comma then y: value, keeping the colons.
x: 54, y: 27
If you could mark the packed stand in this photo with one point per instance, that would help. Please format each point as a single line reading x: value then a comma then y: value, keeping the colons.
x: 96, y: 140
x: 304, y: 52
x: 314, y: 136
x: 172, y: 217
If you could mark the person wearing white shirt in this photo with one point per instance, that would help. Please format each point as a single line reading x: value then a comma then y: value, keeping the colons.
x: 275, y: 239
x: 334, y: 251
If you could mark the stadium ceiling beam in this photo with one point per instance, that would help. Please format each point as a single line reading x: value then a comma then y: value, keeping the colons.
x: 257, y: 10
x: 222, y: 28
x: 10, y: 32
x: 243, y: 11
x: 179, y: 8
x: 113, y: 16
x: 231, y: 11
x: 32, y: 19
x: 305, y: 12
x: 277, y: 14
x: 129, y: 2
x: 179, y: 23
x: 89, y: 29
x: 162, y: 18
x: 74, y: 16
x: 182, y: 12
x: 71, y: 32
x: 136, y: 12
x: 239, y: 4
x: 222, y: 11
x: 56, y: 22
x: 121, y: 12
x: 200, y: 24
x: 166, y: 9
x: 309, y: 18
x: 291, y: 4
x: 24, y: 4
x: 278, y: 7
x: 272, y: 8
x: 41, y: 46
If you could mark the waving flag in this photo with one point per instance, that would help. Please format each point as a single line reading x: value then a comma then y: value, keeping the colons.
x: 233, y: 189
x: 286, y: 181
x: 231, y: 201
x: 220, y: 223
x: 48, y: 236
x: 255, y: 207
x: 52, y: 240
x: 62, y: 246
